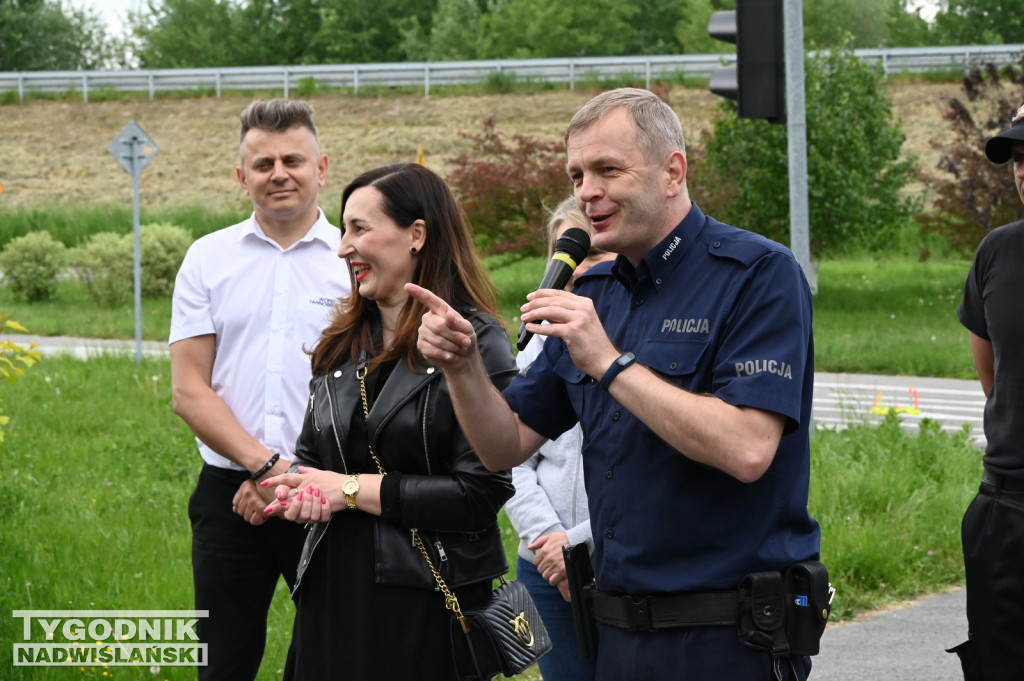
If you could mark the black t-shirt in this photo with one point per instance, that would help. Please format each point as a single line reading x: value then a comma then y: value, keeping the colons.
x: 993, y: 309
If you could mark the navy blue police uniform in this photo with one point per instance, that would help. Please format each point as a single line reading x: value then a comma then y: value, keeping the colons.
x: 714, y: 310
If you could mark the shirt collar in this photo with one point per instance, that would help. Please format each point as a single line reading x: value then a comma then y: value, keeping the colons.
x: 321, y: 230
x: 659, y: 263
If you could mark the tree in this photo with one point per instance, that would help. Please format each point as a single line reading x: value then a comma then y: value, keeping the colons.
x: 856, y: 172
x: 365, y: 31
x: 184, y: 34
x: 523, y: 29
x: 972, y: 195
x: 836, y: 23
x: 980, y: 22
x: 907, y: 28
x: 692, y: 32
x: 655, y: 26
x: 452, y: 35
x: 40, y: 35
x: 202, y: 33
x: 505, y: 185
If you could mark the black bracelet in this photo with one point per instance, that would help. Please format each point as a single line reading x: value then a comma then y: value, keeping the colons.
x: 266, y: 467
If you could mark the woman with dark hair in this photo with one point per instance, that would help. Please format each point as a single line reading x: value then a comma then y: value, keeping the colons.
x: 382, y: 466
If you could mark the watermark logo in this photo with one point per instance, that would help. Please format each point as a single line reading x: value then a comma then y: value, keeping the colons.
x: 127, y: 638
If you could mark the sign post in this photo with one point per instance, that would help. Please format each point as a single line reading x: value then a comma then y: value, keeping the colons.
x: 133, y: 149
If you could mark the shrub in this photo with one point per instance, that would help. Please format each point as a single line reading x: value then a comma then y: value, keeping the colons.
x: 163, y: 248
x: 973, y: 196
x: 104, y: 264
x: 31, y: 265
x: 856, y: 175
x: 14, y: 359
x: 504, y: 188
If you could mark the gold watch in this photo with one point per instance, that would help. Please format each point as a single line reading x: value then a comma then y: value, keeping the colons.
x: 351, y: 488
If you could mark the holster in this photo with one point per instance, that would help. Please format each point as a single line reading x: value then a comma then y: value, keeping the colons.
x: 785, y: 613
x: 580, y: 574
x: 808, y: 605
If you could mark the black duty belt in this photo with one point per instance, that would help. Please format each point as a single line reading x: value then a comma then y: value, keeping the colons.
x: 1002, y: 482
x: 666, y: 611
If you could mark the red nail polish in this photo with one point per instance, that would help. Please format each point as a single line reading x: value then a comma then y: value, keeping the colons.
x: 316, y: 493
x: 266, y: 510
x: 299, y: 497
x: 323, y: 500
x: 264, y: 483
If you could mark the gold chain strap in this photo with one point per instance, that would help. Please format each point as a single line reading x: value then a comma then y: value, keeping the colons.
x: 361, y: 375
x: 450, y: 601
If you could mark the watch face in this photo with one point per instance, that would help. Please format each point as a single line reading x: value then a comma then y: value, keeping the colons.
x: 350, y: 486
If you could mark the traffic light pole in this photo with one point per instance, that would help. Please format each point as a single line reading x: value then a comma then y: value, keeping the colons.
x: 796, y: 134
x: 767, y: 82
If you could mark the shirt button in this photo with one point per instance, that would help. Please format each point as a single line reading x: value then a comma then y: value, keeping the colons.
x: 718, y: 244
x: 658, y: 281
x: 608, y: 474
x: 610, y: 534
x: 616, y: 416
x: 638, y: 302
x: 673, y: 365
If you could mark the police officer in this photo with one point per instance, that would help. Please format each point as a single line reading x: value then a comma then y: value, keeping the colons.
x: 690, y: 370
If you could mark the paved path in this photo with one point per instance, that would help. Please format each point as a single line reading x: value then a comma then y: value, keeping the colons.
x: 905, y: 644
x: 84, y: 347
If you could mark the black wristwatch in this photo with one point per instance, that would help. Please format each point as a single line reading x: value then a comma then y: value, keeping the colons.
x: 616, y: 368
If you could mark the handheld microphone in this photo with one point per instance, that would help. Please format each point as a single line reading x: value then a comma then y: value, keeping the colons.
x: 570, y: 250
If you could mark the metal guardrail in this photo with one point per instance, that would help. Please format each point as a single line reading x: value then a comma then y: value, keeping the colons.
x: 428, y: 74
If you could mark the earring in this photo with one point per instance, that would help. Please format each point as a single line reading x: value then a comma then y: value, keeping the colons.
x: 413, y: 250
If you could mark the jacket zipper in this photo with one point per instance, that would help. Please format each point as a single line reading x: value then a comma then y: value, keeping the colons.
x: 330, y: 404
x: 423, y: 428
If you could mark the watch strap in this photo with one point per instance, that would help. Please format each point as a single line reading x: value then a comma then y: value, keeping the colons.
x: 624, y: 360
x: 350, y: 498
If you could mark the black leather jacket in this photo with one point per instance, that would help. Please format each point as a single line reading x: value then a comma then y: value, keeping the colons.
x: 446, y: 493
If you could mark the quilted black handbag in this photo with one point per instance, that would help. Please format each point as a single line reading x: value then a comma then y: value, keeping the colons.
x: 504, y: 635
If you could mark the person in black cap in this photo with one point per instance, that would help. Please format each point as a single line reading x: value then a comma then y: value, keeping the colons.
x: 993, y: 526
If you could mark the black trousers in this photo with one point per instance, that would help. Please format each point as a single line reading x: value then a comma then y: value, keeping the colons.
x: 993, y: 541
x: 235, y: 568
x: 689, y: 654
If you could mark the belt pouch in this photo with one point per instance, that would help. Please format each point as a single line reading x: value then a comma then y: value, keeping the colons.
x: 762, y: 612
x: 808, y: 605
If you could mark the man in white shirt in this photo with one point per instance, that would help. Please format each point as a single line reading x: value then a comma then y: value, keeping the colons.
x: 248, y: 301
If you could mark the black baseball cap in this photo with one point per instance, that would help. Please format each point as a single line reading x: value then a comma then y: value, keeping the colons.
x: 999, y: 148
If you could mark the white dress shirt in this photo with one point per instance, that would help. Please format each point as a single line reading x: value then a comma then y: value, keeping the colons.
x: 266, y: 306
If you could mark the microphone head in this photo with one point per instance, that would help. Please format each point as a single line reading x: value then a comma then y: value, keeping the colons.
x: 574, y: 242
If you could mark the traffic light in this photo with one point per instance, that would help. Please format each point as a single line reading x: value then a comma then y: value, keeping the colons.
x: 758, y: 81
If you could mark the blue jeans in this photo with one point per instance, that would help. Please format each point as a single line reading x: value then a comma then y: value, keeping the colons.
x: 563, y: 662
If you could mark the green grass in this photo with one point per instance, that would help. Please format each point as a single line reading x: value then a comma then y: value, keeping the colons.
x: 72, y: 226
x: 72, y: 312
x: 892, y: 317
x: 889, y: 504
